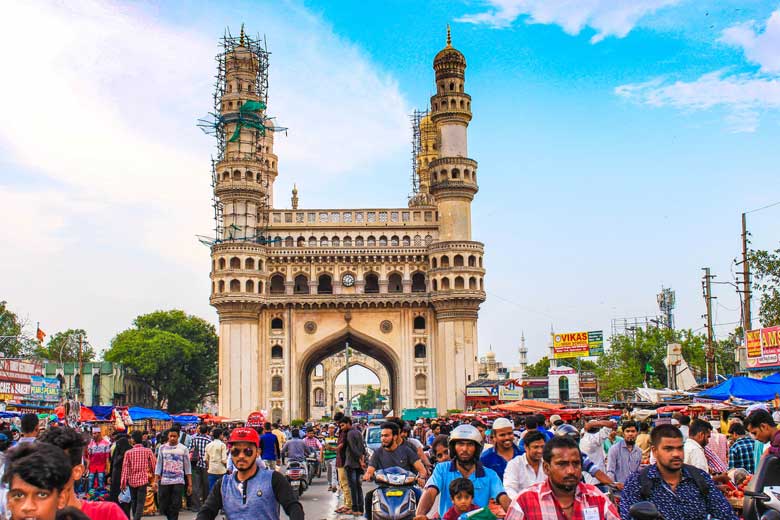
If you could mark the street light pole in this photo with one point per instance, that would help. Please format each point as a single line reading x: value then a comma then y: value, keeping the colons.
x: 349, y: 395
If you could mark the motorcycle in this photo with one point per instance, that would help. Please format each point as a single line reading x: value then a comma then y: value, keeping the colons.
x: 297, y: 475
x: 394, y: 498
x: 313, y: 466
x: 762, y: 494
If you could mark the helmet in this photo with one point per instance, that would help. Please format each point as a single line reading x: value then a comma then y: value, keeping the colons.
x: 465, y: 432
x: 244, y: 435
x: 567, y: 430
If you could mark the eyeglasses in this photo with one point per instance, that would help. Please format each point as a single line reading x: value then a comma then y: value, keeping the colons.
x: 247, y: 451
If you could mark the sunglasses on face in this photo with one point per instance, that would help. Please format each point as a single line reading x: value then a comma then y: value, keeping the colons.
x: 237, y: 451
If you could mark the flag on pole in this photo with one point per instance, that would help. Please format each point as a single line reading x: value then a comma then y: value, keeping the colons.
x: 40, y: 334
x: 649, y: 369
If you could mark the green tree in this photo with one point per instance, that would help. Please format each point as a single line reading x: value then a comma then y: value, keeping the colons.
x: 174, y: 353
x: 13, y: 340
x: 765, y: 270
x: 542, y: 367
x: 368, y: 400
x: 64, y: 347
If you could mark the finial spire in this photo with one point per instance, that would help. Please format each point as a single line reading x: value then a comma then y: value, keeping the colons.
x: 449, y: 36
x: 294, y: 198
x: 242, y: 35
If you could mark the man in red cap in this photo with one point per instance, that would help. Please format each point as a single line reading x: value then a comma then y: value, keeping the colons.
x: 249, y: 493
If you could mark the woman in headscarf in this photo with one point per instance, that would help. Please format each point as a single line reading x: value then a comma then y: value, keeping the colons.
x: 121, y: 446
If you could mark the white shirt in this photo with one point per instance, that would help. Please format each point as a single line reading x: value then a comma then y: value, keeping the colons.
x: 519, y: 475
x: 694, y: 455
x: 776, y: 416
x: 592, y: 445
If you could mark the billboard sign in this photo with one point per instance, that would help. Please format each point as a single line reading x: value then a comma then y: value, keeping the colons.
x: 753, y: 340
x: 45, y: 388
x: 578, y: 344
x: 763, y: 348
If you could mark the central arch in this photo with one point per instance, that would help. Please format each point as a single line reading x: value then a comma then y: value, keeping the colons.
x: 336, y: 343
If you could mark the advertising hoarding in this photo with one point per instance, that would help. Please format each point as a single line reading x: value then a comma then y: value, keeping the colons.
x: 764, y: 352
x: 578, y: 344
x: 45, y: 388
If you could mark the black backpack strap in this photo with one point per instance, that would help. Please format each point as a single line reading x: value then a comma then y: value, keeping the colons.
x: 645, y: 483
x: 698, y: 477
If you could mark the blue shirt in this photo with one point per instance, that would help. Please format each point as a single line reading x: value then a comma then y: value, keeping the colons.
x: 685, y: 503
x: 487, y: 485
x: 491, y: 459
x: 269, y: 445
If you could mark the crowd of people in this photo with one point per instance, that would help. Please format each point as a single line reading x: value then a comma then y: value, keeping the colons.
x: 531, y: 467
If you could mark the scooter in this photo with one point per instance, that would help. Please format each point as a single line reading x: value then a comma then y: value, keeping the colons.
x: 312, y: 465
x: 394, y: 497
x: 762, y: 494
x: 297, y: 475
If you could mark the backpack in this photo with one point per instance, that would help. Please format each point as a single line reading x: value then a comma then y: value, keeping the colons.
x: 646, y: 485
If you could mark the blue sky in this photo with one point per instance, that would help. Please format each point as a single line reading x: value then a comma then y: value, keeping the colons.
x: 617, y: 144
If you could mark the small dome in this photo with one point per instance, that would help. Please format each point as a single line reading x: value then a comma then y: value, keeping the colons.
x: 449, y: 54
x: 491, y: 355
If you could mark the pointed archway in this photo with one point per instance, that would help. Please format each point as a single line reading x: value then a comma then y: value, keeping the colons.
x: 336, y: 343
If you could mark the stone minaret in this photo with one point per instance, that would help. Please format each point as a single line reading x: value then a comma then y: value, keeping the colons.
x: 456, y: 260
x: 523, y: 356
x: 245, y: 174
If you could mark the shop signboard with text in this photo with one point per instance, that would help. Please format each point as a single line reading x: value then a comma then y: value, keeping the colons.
x: 763, y: 348
x: 578, y: 344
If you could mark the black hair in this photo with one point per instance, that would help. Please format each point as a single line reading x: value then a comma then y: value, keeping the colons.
x: 442, y: 440
x: 698, y: 426
x: 137, y: 436
x: 204, y: 428
x: 68, y: 440
x: 476, y: 423
x: 532, y: 436
x: 169, y: 431
x: 644, y: 427
x: 565, y: 442
x: 40, y: 464
x: 218, y: 433
x: 664, y: 431
x: 685, y: 420
x: 461, y: 485
x: 29, y: 422
x: 540, y: 418
x: 345, y: 420
x: 759, y: 417
x: 392, y: 426
x: 71, y: 513
x: 630, y: 424
x: 531, y: 422
x: 296, y: 433
x: 267, y: 427
x: 337, y: 416
x: 737, y: 429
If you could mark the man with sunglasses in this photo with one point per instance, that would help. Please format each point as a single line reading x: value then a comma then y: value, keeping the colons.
x: 249, y: 493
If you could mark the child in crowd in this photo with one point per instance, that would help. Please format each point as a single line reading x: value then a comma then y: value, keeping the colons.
x: 462, y: 495
x: 36, y: 476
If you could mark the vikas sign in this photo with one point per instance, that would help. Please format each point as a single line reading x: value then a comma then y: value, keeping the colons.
x: 578, y: 344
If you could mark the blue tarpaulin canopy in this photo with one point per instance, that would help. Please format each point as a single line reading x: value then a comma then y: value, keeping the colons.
x: 102, y: 413
x: 743, y: 388
x: 139, y: 414
x: 774, y: 378
x: 186, y: 419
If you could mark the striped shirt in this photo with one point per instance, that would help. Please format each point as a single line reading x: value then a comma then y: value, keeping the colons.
x: 199, y: 443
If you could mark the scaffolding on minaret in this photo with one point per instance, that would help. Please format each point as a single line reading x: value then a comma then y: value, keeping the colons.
x: 421, y: 133
x: 250, y: 115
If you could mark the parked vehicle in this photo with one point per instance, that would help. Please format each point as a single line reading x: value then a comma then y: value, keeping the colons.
x: 762, y: 495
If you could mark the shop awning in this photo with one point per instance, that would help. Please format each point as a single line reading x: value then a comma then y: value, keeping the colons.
x: 139, y: 414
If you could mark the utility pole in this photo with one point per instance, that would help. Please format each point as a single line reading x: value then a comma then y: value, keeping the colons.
x: 349, y: 395
x: 710, y: 351
x: 81, y: 369
x: 748, y: 321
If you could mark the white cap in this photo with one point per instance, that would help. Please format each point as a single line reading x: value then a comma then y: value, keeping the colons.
x: 675, y: 422
x: 754, y: 407
x: 555, y: 417
x: 503, y: 422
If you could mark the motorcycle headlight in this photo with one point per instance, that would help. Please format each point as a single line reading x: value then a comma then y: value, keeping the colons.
x: 410, y: 480
x: 380, y: 478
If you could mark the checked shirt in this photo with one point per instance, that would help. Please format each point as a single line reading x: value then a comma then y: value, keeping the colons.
x: 538, y: 503
x: 138, y: 464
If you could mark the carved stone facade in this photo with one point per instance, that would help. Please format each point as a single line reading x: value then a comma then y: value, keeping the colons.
x: 400, y: 285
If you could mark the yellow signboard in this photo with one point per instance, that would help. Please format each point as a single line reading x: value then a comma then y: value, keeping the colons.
x: 570, y: 344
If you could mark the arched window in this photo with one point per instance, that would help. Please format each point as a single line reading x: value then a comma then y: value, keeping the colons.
x: 445, y: 261
x: 420, y: 383
x: 324, y: 242
x: 406, y: 241
x: 445, y: 284
x: 417, y: 240
x: 277, y: 352
x: 434, y: 285
x: 312, y: 242
x: 319, y: 397
x: 428, y: 240
x: 325, y: 284
x: 371, y: 242
x: 383, y: 241
x: 249, y: 263
x: 455, y: 173
x: 289, y: 242
x: 460, y: 283
x: 301, y: 242
x: 221, y: 286
x: 473, y: 283
x: 250, y: 286
x: 276, y: 384
x: 419, y: 351
x: 347, y: 241
x: 419, y: 323
x: 394, y: 283
x: 235, y: 263
x: 77, y: 382
x: 481, y: 284
x: 221, y: 263
x: 277, y: 284
x: 434, y: 263
x: 301, y: 284
x: 335, y: 242
x: 472, y: 261
x: 259, y: 265
x: 235, y: 286
x: 372, y: 283
x: 277, y: 324
x: 236, y: 175
x: 394, y: 241
x: 259, y: 287
x: 458, y: 261
x: 418, y: 282
x: 319, y: 370
x: 359, y: 241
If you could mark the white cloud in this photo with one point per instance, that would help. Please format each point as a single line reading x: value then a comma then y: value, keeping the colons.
x: 606, y: 17
x: 99, y: 128
x: 762, y: 48
x: 744, y: 96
